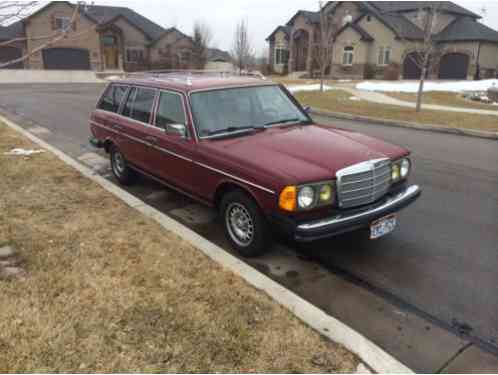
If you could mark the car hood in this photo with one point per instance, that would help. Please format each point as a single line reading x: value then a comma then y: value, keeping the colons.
x: 302, y: 154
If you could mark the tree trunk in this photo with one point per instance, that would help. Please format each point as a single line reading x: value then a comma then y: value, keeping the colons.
x: 422, y: 81
x: 421, y: 90
x: 322, y: 78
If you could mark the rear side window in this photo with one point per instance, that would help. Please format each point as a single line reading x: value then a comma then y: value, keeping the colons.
x: 139, y: 104
x: 112, y: 98
x: 170, y: 110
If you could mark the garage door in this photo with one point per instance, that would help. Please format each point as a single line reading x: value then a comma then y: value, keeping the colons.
x: 454, y: 66
x: 411, y: 66
x: 9, y: 54
x: 66, y: 59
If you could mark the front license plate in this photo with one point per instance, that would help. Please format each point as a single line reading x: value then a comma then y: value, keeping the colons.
x: 382, y: 227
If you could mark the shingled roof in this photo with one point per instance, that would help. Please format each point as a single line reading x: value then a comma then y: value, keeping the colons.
x: 15, y: 30
x: 466, y: 29
x: 363, y: 33
x: 406, y: 6
x: 103, y: 14
x: 286, y: 29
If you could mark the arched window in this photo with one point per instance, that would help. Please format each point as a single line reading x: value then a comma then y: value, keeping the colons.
x: 348, y: 56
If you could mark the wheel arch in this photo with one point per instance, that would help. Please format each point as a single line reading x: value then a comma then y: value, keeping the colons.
x: 228, y: 186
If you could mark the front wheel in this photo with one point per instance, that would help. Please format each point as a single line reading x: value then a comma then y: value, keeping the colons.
x: 244, y: 224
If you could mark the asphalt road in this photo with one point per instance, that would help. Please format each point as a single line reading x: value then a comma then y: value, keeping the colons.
x: 427, y: 293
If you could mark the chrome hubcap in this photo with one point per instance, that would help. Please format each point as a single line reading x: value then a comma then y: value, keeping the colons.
x: 119, y: 163
x: 240, y: 225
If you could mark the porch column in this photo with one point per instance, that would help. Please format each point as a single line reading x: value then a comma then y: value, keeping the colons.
x: 309, y: 58
x: 291, y: 53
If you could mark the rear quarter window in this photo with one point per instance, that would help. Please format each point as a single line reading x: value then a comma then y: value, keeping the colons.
x: 140, y: 104
x: 112, y: 98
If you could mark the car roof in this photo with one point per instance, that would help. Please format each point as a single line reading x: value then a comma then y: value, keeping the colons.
x: 190, y: 82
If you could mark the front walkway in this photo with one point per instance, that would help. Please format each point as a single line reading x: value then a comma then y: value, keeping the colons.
x: 377, y: 97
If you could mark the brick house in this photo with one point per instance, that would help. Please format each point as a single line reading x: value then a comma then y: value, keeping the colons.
x: 377, y: 39
x: 103, y: 38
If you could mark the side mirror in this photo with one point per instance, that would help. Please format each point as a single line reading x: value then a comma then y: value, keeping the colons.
x: 178, y: 130
x: 307, y: 110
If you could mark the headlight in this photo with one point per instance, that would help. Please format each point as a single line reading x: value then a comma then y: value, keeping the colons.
x: 306, y: 197
x: 396, y: 173
x: 400, y: 170
x: 326, y: 193
x: 405, y: 168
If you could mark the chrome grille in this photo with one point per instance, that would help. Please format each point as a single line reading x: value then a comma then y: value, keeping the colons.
x: 363, y: 183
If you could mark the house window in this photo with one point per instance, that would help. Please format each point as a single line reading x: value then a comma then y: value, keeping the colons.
x: 62, y: 23
x: 347, y: 57
x: 384, y: 56
x: 134, y: 55
x: 281, y: 56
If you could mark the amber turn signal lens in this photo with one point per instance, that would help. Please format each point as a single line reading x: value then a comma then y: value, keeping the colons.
x: 287, y: 201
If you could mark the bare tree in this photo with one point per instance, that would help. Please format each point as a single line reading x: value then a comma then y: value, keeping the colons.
x: 242, y: 51
x: 323, y: 48
x: 424, y: 50
x: 202, y: 38
x: 11, y: 11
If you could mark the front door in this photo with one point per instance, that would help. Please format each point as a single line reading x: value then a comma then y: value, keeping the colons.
x: 111, y: 52
x: 173, y: 155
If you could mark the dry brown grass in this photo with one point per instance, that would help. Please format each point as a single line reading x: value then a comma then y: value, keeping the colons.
x: 339, y: 101
x: 450, y: 99
x: 111, y: 291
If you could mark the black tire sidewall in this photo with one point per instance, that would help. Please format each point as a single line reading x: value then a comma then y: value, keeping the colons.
x: 261, y: 237
x: 125, y: 178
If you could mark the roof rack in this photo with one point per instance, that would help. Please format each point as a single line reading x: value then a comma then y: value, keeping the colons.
x: 186, y: 76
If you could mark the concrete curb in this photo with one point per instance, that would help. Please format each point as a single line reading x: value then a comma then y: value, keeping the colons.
x: 335, y: 330
x: 408, y: 125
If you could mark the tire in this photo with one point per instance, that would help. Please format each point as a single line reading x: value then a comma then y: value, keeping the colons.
x: 244, y: 225
x: 120, y: 169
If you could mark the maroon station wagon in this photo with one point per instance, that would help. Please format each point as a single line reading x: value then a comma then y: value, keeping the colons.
x: 246, y: 147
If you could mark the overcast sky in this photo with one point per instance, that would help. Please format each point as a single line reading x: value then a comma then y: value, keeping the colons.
x: 263, y: 16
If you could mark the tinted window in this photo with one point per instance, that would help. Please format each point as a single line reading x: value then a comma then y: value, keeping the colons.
x: 112, y: 98
x: 139, y: 104
x: 170, y: 110
x: 127, y: 108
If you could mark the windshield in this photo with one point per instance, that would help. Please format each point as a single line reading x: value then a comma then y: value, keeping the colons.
x: 243, y: 109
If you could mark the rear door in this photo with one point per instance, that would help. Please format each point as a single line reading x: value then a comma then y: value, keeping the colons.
x: 134, y: 122
x: 172, y: 159
x: 105, y: 120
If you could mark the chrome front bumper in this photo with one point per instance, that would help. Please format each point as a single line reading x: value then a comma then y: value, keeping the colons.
x: 348, y: 222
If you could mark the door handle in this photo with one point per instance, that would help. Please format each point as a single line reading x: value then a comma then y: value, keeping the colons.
x: 117, y: 127
x: 151, y: 139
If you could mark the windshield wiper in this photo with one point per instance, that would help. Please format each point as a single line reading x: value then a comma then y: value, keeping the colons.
x: 235, y: 129
x: 286, y: 121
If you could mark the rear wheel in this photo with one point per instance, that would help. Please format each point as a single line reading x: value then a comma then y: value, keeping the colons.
x: 120, y: 169
x: 244, y: 224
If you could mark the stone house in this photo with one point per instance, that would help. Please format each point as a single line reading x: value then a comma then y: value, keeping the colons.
x: 102, y: 38
x: 379, y: 39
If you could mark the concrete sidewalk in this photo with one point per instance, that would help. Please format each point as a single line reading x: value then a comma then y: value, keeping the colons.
x: 377, y: 97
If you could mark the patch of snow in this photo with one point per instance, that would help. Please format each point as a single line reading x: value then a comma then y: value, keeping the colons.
x: 345, y: 80
x: 301, y: 88
x: 23, y: 152
x: 412, y: 86
x: 354, y: 98
x: 113, y: 78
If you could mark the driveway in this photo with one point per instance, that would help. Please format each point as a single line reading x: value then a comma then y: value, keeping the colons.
x: 426, y: 294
